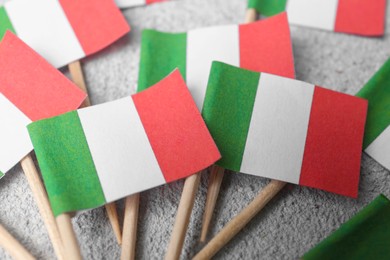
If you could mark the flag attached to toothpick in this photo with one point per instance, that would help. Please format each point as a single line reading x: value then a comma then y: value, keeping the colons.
x: 260, y: 46
x: 133, y: 3
x: 106, y: 152
x: 362, y: 17
x: 377, y: 133
x: 30, y: 89
x: 284, y: 129
x: 63, y: 31
x: 365, y: 236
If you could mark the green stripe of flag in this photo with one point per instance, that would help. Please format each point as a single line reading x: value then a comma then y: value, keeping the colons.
x: 365, y: 236
x: 377, y: 92
x: 233, y: 103
x: 161, y: 53
x: 5, y: 23
x: 268, y: 7
x: 1, y: 175
x: 54, y: 138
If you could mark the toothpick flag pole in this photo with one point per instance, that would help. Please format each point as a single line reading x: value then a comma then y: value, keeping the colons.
x: 78, y: 78
x: 240, y: 221
x: 68, y: 236
x: 42, y: 201
x: 12, y: 246
x: 130, y: 227
x: 250, y: 15
x: 214, y: 186
x: 217, y: 172
x: 186, y: 204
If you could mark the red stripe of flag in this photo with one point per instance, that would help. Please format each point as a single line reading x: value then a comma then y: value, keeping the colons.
x: 270, y: 42
x: 176, y: 131
x: 334, y: 142
x: 32, y: 84
x: 365, y: 17
x: 97, y: 24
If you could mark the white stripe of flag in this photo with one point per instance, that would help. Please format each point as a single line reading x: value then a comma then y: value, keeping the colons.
x: 277, y: 134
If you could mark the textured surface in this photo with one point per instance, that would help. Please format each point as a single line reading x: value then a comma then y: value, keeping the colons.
x: 296, y: 220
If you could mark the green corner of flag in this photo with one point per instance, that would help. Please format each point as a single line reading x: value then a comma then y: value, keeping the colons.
x: 268, y: 7
x: 62, y: 140
x: 230, y: 97
x: 5, y: 22
x: 161, y: 53
x: 1, y: 175
x: 365, y: 236
x: 377, y: 92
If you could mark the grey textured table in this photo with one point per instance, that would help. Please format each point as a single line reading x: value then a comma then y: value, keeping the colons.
x: 296, y: 220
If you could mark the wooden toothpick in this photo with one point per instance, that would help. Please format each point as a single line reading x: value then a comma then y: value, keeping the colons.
x: 68, y: 236
x: 12, y: 246
x: 78, y: 78
x: 240, y: 221
x: 130, y: 227
x: 217, y: 172
x: 186, y: 204
x: 251, y: 15
x: 214, y: 186
x: 42, y: 201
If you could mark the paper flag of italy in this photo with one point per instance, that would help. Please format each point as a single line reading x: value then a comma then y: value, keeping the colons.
x: 106, y: 152
x: 63, y: 31
x: 132, y: 3
x: 260, y: 46
x: 30, y: 89
x: 377, y: 133
x: 363, y: 17
x: 365, y: 236
x: 284, y: 129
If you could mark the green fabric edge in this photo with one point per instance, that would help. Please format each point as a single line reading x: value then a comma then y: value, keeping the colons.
x: 1, y: 174
x: 5, y: 23
x: 230, y: 97
x: 268, y: 7
x: 365, y: 236
x: 66, y: 163
x: 377, y: 92
x: 161, y: 53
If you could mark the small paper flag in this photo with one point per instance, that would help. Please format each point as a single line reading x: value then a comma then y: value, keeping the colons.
x: 260, y: 46
x: 377, y: 133
x: 284, y: 129
x: 133, y: 3
x: 99, y: 154
x: 30, y: 89
x: 363, y: 17
x: 365, y: 236
x: 63, y: 31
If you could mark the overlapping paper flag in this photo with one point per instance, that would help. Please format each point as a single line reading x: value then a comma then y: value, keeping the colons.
x: 284, y: 129
x: 63, y: 31
x: 261, y: 46
x: 30, y: 89
x: 106, y: 152
x: 362, y: 17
